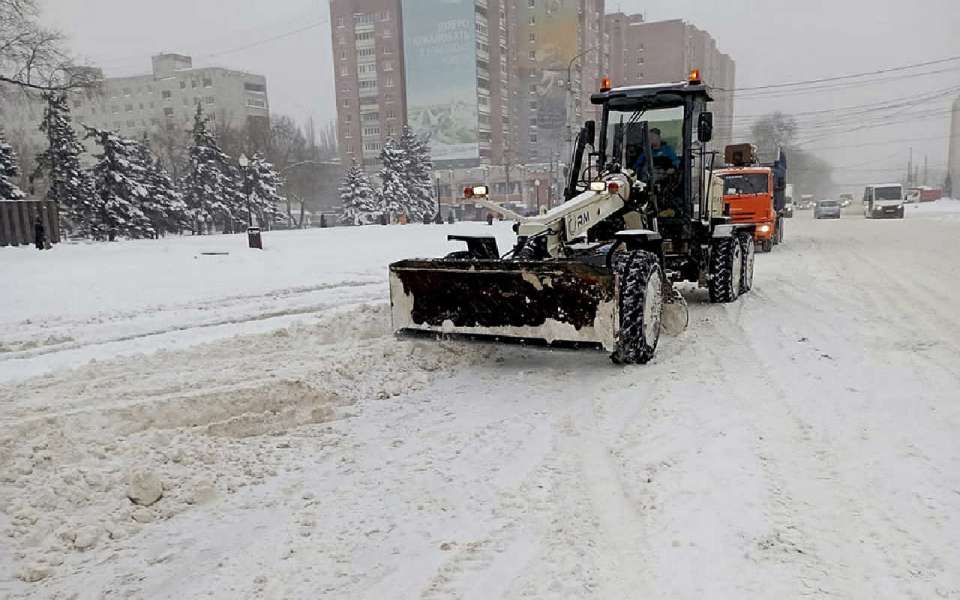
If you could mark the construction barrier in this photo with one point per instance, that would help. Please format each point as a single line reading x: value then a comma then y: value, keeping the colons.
x: 18, y: 216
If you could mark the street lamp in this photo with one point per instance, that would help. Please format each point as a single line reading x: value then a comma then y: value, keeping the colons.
x: 571, y: 103
x: 536, y: 184
x: 244, y: 165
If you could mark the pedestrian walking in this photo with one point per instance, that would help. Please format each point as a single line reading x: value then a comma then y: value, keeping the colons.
x: 39, y: 234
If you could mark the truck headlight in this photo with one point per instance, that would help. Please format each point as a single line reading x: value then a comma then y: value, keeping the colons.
x: 598, y: 186
x: 764, y: 228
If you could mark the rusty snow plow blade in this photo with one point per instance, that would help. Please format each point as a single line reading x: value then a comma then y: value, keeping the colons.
x: 552, y: 302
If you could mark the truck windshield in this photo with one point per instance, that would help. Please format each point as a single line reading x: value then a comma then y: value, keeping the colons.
x: 894, y: 192
x: 748, y: 183
x: 667, y: 121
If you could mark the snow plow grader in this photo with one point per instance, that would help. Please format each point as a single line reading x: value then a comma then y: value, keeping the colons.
x: 641, y: 213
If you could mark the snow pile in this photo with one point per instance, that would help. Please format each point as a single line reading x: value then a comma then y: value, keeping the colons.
x: 97, y: 301
x: 90, y: 458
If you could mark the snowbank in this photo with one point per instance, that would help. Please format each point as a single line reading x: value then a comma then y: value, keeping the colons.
x: 95, y: 301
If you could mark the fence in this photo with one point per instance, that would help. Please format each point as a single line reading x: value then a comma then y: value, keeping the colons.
x: 17, y: 219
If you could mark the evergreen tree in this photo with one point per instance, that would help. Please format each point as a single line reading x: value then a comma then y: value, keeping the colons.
x: 9, y: 169
x: 394, y: 197
x: 69, y: 185
x: 419, y: 176
x: 164, y: 205
x: 357, y: 195
x: 948, y: 187
x: 261, y: 184
x: 211, y: 188
x: 121, y: 181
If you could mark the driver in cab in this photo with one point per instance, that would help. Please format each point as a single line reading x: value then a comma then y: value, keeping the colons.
x: 661, y: 150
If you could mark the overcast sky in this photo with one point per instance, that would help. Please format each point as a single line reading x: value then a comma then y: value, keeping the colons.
x: 772, y: 41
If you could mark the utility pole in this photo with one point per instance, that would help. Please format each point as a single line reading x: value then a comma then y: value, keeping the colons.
x: 910, y: 168
x: 924, y: 169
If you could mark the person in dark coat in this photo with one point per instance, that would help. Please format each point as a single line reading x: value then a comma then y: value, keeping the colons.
x: 39, y: 234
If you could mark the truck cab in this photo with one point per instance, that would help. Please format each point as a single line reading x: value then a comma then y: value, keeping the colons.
x: 883, y: 201
x: 748, y: 198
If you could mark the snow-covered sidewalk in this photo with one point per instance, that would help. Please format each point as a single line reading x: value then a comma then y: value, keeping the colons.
x: 803, y: 442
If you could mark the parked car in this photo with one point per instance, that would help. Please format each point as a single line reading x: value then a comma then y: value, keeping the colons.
x: 827, y: 209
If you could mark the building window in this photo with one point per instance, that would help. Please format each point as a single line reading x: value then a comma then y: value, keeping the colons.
x: 256, y: 88
x: 387, y: 65
x: 210, y: 100
x: 369, y: 131
x: 340, y: 21
x: 131, y: 123
x: 256, y: 103
x: 389, y: 82
x: 166, y: 94
x: 533, y: 20
x: 533, y: 37
x: 193, y: 83
x: 183, y: 85
x: 346, y: 104
x: 533, y: 55
x: 207, y: 82
x: 168, y: 111
x: 533, y: 138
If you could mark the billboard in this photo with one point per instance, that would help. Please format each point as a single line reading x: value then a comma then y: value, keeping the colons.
x: 439, y: 44
x: 551, y: 27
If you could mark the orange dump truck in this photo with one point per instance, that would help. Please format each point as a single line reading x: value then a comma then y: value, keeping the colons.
x: 755, y: 193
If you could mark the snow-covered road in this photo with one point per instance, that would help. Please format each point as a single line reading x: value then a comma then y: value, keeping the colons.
x: 803, y: 442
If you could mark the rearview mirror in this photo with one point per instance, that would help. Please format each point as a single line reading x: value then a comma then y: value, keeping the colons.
x: 705, y: 127
x: 589, y: 132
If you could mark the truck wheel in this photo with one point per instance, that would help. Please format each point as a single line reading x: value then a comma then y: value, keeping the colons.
x: 748, y: 249
x: 726, y: 268
x: 640, y: 287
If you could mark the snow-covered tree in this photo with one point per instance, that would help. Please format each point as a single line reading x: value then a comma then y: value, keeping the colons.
x: 59, y: 165
x: 164, y: 205
x: 419, y: 176
x: 260, y: 186
x: 356, y: 195
x: 394, y: 191
x: 9, y: 169
x: 212, y: 185
x: 121, y: 181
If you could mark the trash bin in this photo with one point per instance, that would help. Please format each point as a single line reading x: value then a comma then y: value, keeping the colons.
x: 254, y: 239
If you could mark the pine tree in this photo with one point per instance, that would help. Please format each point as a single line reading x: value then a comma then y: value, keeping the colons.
x: 164, y: 205
x: 69, y: 184
x: 261, y: 185
x: 121, y: 181
x: 9, y: 169
x: 394, y: 197
x: 357, y: 195
x: 419, y: 176
x: 212, y: 191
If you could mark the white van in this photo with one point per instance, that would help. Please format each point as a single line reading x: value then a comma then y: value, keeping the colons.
x: 884, y: 200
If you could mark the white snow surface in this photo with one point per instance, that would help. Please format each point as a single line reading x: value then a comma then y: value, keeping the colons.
x: 803, y: 442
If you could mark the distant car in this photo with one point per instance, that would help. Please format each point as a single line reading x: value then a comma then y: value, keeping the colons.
x: 788, y: 211
x: 827, y: 209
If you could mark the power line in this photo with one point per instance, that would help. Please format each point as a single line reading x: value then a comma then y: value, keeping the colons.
x: 842, y: 77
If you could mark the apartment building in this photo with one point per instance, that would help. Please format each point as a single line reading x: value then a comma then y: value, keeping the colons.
x: 558, y: 58
x: 167, y: 99
x: 643, y: 52
x: 369, y: 75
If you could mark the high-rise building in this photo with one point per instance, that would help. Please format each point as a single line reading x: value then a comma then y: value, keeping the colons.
x: 167, y: 99
x: 458, y: 79
x: 664, y: 51
x: 368, y: 65
x: 558, y: 56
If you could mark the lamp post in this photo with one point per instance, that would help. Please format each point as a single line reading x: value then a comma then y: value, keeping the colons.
x: 536, y: 184
x: 571, y: 101
x: 439, y: 218
x: 244, y: 166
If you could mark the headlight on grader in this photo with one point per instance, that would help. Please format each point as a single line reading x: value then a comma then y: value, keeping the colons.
x: 480, y: 191
x: 598, y: 186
